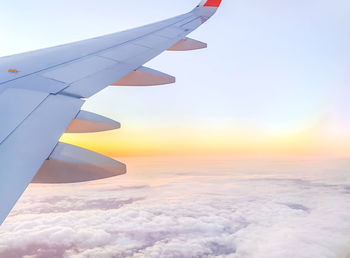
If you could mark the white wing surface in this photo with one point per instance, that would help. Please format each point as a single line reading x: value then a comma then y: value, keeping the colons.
x: 41, y: 93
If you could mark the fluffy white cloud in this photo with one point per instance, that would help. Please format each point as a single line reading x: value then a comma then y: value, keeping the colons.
x: 225, y: 212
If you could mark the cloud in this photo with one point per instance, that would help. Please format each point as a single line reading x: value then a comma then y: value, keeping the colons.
x: 197, y: 214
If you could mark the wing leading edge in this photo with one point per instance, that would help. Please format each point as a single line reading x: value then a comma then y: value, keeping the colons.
x: 41, y: 93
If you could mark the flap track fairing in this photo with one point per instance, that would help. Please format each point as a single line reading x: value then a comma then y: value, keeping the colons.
x: 187, y: 44
x: 71, y: 164
x: 145, y: 77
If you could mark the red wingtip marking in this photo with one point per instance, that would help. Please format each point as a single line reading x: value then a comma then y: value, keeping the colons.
x: 213, y: 3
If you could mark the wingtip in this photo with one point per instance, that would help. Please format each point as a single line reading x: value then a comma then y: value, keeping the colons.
x: 210, y: 3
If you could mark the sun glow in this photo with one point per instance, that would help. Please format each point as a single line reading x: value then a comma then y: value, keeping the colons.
x: 315, y: 139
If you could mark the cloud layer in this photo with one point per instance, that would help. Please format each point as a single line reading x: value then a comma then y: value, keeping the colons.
x: 230, y: 208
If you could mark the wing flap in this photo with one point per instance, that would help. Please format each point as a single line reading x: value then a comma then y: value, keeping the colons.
x: 36, y: 83
x: 80, y: 69
x: 153, y: 41
x: 124, y: 52
x: 171, y: 32
x: 191, y: 25
x: 92, y: 84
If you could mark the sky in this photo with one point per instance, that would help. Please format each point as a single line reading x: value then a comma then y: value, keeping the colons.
x: 273, y: 81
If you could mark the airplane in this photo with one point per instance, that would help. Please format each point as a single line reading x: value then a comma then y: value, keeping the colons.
x: 42, y: 92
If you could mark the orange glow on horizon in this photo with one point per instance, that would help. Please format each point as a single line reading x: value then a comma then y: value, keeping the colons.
x: 313, y: 140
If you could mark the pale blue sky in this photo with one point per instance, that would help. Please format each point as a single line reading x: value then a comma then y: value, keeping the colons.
x: 275, y: 65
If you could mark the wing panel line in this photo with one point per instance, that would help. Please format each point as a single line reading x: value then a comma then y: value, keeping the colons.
x: 96, y: 52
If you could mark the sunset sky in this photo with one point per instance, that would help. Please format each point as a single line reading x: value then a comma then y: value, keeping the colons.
x: 247, y: 155
x: 273, y: 81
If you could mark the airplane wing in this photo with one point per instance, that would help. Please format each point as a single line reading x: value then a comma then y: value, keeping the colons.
x: 41, y: 94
